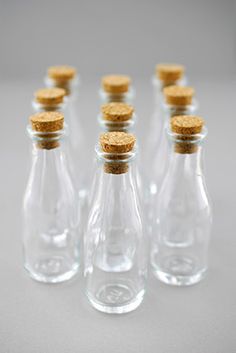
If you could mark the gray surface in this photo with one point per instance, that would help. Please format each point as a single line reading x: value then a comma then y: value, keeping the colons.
x: 127, y: 36
x: 36, y: 318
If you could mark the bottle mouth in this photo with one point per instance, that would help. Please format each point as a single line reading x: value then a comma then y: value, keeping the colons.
x: 160, y: 85
x: 45, y: 107
x: 44, y: 136
x: 50, y: 82
x: 117, y: 125
x: 180, y: 109
x: 117, y: 97
x: 115, y: 157
x: 194, y: 139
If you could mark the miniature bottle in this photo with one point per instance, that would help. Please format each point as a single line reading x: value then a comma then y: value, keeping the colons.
x: 183, y: 214
x: 115, y: 245
x: 66, y: 77
x: 50, y: 208
x: 165, y: 75
x: 116, y: 88
x: 178, y: 101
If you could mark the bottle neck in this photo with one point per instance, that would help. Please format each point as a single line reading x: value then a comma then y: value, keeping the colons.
x: 46, y: 140
x: 71, y: 87
x: 171, y: 110
x: 39, y: 107
x: 160, y: 85
x: 117, y: 164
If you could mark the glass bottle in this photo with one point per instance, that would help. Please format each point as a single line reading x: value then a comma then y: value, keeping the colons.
x: 183, y: 214
x: 116, y: 88
x: 66, y: 77
x: 115, y: 244
x: 179, y: 101
x: 165, y: 75
x: 50, y: 207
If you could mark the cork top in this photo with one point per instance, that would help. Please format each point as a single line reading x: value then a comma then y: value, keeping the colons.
x: 50, y: 96
x: 63, y: 73
x: 47, y: 121
x: 117, y: 111
x: 178, y: 95
x: 187, y: 124
x: 117, y: 142
x: 116, y: 84
x: 169, y: 73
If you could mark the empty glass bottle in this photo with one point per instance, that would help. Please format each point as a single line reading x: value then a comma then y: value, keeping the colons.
x: 115, y: 244
x: 183, y: 214
x: 116, y: 88
x: 50, y: 208
x: 66, y: 77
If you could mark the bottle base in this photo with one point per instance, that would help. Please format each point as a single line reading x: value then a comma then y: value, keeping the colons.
x: 51, y: 270
x: 116, y: 299
x: 178, y: 270
x: 179, y: 280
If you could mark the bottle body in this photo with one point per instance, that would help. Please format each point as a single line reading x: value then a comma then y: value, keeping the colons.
x: 50, y: 218
x: 183, y: 219
x: 115, y: 248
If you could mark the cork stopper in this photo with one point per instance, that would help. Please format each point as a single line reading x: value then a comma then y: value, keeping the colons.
x: 116, y: 143
x: 117, y: 112
x: 178, y: 95
x: 46, y: 123
x: 187, y: 126
x: 116, y: 84
x: 63, y: 73
x: 50, y: 96
x: 169, y: 73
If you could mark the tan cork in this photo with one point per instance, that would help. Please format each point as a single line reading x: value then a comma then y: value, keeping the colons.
x: 63, y: 73
x: 117, y: 142
x: 117, y: 112
x: 169, y: 73
x: 178, y: 95
x: 187, y: 126
x: 50, y: 96
x: 47, y: 121
x: 116, y: 84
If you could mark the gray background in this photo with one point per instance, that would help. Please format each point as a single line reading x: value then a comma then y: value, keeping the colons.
x: 127, y: 37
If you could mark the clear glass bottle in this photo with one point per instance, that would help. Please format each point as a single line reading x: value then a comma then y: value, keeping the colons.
x: 183, y: 214
x: 115, y: 244
x: 50, y: 207
x: 66, y: 77
x: 165, y: 75
x: 116, y: 88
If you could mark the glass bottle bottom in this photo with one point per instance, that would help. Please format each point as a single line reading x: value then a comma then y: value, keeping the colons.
x: 179, y: 271
x: 52, y: 269
x: 115, y: 298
